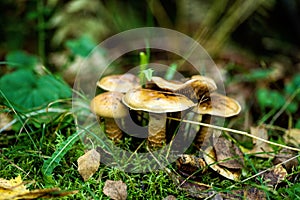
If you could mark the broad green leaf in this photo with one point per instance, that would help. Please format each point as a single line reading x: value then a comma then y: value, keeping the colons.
x: 21, y: 60
x: 26, y: 91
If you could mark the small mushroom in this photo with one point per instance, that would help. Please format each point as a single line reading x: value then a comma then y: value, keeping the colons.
x: 217, y: 105
x: 108, y: 106
x: 195, y: 88
x: 119, y: 83
x: 157, y: 103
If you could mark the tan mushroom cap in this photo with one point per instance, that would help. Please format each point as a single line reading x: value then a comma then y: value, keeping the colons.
x: 156, y: 101
x: 119, y: 83
x: 222, y: 106
x: 165, y: 84
x: 109, y: 105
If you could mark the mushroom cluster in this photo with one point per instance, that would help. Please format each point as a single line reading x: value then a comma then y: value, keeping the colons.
x: 158, y: 98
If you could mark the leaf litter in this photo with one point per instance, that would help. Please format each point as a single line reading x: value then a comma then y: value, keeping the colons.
x: 116, y: 190
x: 15, y: 188
x: 88, y: 164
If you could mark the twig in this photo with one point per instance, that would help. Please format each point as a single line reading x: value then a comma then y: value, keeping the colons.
x: 236, y: 131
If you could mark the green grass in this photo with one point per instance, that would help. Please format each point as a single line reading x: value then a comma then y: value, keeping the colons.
x: 25, y: 152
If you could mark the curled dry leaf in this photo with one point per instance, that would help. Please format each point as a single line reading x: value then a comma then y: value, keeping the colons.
x: 275, y: 176
x: 88, y: 164
x: 261, y: 149
x: 292, y: 136
x: 116, y: 190
x: 15, y: 189
x: 228, y: 154
x: 211, y: 160
x: 189, y: 164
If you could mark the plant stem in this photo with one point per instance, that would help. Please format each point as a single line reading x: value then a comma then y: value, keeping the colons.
x: 41, y: 30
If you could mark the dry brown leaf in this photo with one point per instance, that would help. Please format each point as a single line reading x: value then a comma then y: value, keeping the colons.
x: 283, y: 156
x: 275, y: 176
x: 292, y: 136
x: 88, y: 164
x: 116, y: 190
x: 261, y: 149
x: 228, y: 154
x: 14, y: 189
x: 211, y: 160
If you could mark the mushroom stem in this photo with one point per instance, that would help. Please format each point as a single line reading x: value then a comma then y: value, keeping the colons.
x: 201, y: 139
x: 157, y: 129
x: 112, y: 129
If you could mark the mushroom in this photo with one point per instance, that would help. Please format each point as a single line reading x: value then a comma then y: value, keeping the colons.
x: 195, y: 88
x: 108, y: 106
x: 119, y: 83
x: 217, y: 105
x: 157, y: 103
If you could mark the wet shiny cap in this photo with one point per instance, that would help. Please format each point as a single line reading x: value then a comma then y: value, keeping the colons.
x: 222, y: 106
x: 108, y: 104
x: 156, y: 101
x: 119, y: 83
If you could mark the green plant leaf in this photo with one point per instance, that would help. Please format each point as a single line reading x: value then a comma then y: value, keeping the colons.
x: 56, y: 157
x: 21, y: 60
x: 269, y: 98
x: 26, y: 91
x: 81, y: 46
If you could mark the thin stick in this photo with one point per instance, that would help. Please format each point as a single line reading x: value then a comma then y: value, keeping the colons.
x: 269, y: 169
x: 236, y: 131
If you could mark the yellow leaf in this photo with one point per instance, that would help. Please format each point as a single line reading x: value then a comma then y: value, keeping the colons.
x: 14, y: 189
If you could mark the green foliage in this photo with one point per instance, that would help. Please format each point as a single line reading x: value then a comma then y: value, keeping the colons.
x: 171, y: 71
x: 268, y: 98
x: 21, y: 60
x: 144, y: 60
x: 81, y: 46
x: 25, y: 90
x: 56, y: 157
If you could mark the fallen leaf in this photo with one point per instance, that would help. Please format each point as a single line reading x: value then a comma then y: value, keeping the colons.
x: 275, y: 176
x: 211, y: 160
x: 292, y: 136
x: 261, y: 149
x: 228, y: 154
x: 170, y: 197
x: 116, y: 190
x: 15, y: 189
x: 249, y: 193
x: 283, y: 156
x: 88, y: 164
x: 188, y: 164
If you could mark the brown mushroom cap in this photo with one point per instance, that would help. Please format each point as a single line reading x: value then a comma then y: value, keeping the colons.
x: 195, y: 88
x: 204, y: 80
x: 156, y: 101
x: 223, y: 106
x: 109, y: 105
x: 119, y: 83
